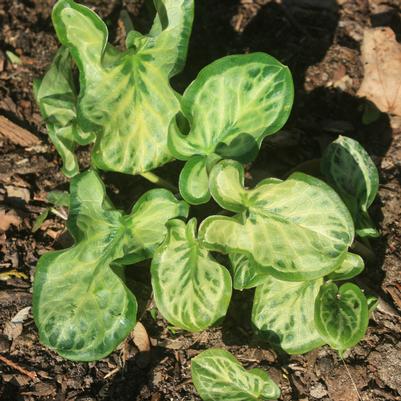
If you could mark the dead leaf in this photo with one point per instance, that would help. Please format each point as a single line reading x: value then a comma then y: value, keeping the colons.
x: 14, y: 327
x: 381, y: 56
x: 12, y: 330
x: 21, y: 315
x: 7, y: 219
x: 141, y: 338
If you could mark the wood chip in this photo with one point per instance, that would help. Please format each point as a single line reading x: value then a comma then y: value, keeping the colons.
x: 16, y: 134
x: 8, y: 218
x: 381, y: 56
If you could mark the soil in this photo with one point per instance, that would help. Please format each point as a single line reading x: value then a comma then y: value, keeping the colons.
x: 320, y: 41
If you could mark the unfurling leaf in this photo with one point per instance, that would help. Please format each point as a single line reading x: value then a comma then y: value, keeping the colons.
x: 81, y: 306
x: 297, y: 229
x: 341, y: 315
x: 352, y: 173
x: 125, y: 97
x: 218, y: 376
x: 192, y: 291
x: 57, y: 96
x: 351, y: 266
x: 232, y: 105
x: 283, y: 313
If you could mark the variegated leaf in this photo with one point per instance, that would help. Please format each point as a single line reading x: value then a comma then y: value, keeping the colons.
x: 191, y: 290
x: 81, y: 306
x: 231, y: 106
x: 146, y: 224
x: 341, y: 315
x: 246, y: 273
x: 57, y: 96
x: 351, y: 266
x: 125, y: 97
x: 283, y: 313
x: 218, y: 376
x: 352, y: 173
x: 194, y: 181
x: 298, y: 229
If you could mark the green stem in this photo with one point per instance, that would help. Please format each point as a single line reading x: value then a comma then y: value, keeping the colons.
x: 155, y: 179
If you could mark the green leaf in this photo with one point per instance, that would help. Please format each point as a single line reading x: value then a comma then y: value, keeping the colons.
x: 81, y: 306
x: 351, y: 266
x: 125, y: 97
x: 283, y: 312
x: 246, y: 273
x: 59, y: 198
x: 146, y: 225
x: 232, y: 105
x: 56, y: 96
x: 14, y: 59
x: 218, y: 376
x: 373, y: 302
x: 341, y: 315
x: 192, y: 291
x: 40, y: 220
x: 297, y: 229
x: 352, y: 173
x: 194, y: 181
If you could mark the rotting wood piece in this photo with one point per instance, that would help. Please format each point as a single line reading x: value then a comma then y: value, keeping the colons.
x: 16, y: 134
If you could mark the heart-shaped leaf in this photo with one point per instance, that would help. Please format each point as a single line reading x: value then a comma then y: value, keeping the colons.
x: 218, y: 376
x: 351, y: 266
x: 81, y: 306
x: 57, y: 96
x: 352, y: 173
x: 341, y: 315
x: 297, y: 229
x: 283, y: 312
x: 232, y: 105
x: 246, y: 273
x: 192, y: 291
x: 125, y: 97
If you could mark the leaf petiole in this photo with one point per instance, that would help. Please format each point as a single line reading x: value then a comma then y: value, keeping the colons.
x: 155, y: 179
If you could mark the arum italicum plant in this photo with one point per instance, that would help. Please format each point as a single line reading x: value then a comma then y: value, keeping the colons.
x: 290, y: 239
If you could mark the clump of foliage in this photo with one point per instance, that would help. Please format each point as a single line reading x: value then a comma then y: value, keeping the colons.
x: 288, y: 238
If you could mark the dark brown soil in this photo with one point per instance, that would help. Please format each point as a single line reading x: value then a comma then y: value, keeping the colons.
x: 320, y: 41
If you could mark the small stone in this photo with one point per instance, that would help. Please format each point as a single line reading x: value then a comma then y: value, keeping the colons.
x: 318, y: 391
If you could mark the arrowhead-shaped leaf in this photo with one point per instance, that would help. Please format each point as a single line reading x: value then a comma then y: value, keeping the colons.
x: 283, y: 312
x: 57, y: 96
x: 218, y: 376
x: 297, y: 229
x: 232, y: 105
x: 191, y: 290
x: 352, y: 173
x: 81, y: 306
x: 341, y: 315
x: 125, y: 97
